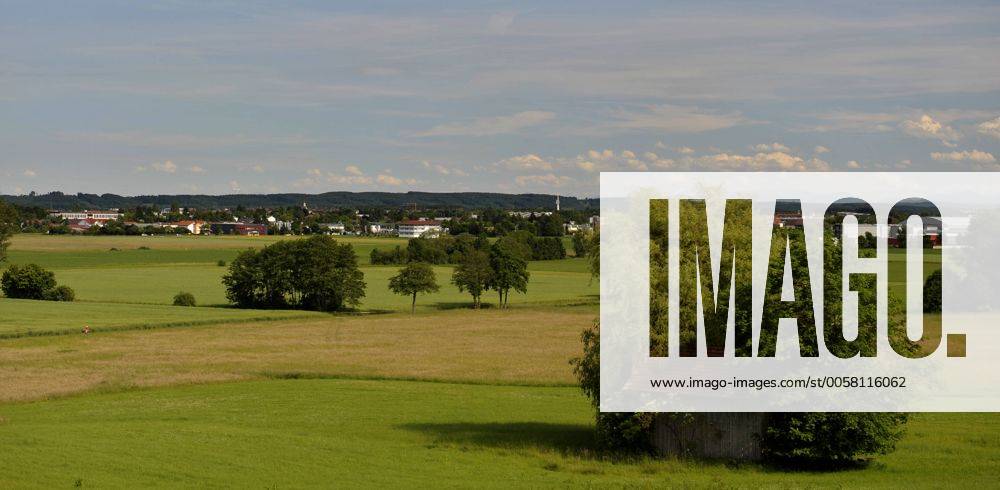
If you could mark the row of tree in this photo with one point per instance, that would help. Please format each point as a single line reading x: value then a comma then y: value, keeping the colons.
x: 477, y: 272
x: 453, y: 249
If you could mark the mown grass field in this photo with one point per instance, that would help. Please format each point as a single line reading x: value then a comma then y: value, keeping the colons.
x: 220, y: 397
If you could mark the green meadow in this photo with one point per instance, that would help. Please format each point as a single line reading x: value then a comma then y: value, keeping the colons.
x: 213, y: 396
x: 167, y: 265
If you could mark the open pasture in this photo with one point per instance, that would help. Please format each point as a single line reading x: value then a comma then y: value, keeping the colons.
x: 358, y: 433
x: 190, y: 263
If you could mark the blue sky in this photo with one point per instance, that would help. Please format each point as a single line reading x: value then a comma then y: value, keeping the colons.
x: 238, y: 96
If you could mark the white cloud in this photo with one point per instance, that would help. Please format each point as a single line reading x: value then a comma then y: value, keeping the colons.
x: 526, y: 162
x: 353, y: 170
x: 990, y: 128
x: 974, y: 156
x: 853, y: 164
x: 387, y: 179
x: 195, y: 169
x: 820, y: 149
x: 488, y: 126
x: 165, y: 167
x: 29, y: 173
x: 771, y: 147
x: 548, y: 180
x: 928, y: 127
x: 234, y: 186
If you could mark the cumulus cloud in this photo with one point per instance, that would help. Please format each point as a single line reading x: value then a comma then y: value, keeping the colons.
x: 353, y: 170
x: 165, y: 167
x: 527, y: 162
x: 853, y: 164
x: 928, y: 127
x: 548, y: 180
x: 990, y: 128
x: 387, y: 179
x: 771, y: 147
x: 489, y: 126
x: 974, y: 156
x: 195, y: 169
x: 29, y: 173
x: 775, y: 160
x: 684, y: 150
x: 820, y: 149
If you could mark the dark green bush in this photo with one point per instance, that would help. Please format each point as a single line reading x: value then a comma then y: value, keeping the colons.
x: 932, y: 293
x: 221, y: 263
x: 800, y: 439
x: 184, y: 299
x: 623, y: 432
x: 27, y: 281
x: 830, y: 439
x: 60, y: 293
x: 393, y: 256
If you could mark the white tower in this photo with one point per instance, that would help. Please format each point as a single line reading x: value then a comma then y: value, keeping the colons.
x: 557, y: 204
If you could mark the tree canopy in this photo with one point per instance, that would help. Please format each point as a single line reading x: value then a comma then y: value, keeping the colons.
x: 414, y: 278
x: 473, y: 274
x: 316, y: 273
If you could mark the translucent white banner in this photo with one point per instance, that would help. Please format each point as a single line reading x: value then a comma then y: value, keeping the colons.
x: 850, y: 250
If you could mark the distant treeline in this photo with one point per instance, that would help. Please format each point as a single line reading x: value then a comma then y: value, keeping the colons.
x: 451, y: 249
x: 465, y: 200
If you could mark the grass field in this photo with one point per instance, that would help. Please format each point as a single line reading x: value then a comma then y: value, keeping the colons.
x: 173, y: 264
x: 354, y: 433
x: 221, y: 397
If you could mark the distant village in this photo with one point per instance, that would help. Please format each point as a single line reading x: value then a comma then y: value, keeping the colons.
x: 398, y: 222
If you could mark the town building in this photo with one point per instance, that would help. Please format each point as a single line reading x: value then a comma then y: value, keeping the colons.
x: 418, y: 228
x: 90, y: 215
x: 333, y: 228
x: 193, y: 226
x: 381, y: 229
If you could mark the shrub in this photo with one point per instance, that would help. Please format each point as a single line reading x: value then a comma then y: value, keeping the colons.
x: 801, y: 439
x: 184, y: 299
x: 221, y: 263
x: 932, y: 293
x: 60, y: 293
x: 143, y: 248
x: 393, y: 256
x: 27, y: 281
x: 624, y: 432
x: 829, y: 439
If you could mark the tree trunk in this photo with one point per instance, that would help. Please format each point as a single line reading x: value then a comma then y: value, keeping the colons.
x: 500, y: 300
x: 413, y: 305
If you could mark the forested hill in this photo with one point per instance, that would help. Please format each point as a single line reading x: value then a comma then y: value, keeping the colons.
x: 469, y: 200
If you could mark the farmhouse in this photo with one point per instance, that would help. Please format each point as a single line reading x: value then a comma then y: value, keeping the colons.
x: 417, y: 228
x: 193, y: 226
